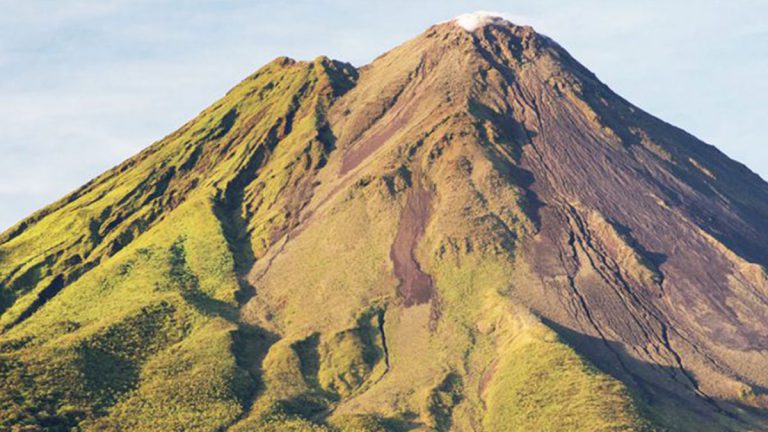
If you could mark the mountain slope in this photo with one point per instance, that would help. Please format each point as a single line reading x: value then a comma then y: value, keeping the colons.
x: 139, y: 268
x: 470, y: 233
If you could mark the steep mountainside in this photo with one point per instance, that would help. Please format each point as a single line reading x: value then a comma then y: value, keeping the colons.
x: 471, y: 233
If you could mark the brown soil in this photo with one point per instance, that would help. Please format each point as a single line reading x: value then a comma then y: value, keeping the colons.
x: 415, y: 285
x: 362, y: 150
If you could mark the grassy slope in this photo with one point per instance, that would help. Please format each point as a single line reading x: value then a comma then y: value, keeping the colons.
x: 143, y: 334
x: 110, y: 344
x: 541, y: 384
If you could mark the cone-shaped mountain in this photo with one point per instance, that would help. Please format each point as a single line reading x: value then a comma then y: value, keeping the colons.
x: 471, y: 233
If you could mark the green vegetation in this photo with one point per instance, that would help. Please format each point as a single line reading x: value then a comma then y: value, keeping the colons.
x: 119, y: 301
x: 132, y: 337
x: 541, y: 384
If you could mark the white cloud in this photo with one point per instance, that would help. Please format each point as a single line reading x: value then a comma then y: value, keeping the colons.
x: 473, y: 21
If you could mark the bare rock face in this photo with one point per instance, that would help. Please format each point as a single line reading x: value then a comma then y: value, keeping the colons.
x: 470, y: 233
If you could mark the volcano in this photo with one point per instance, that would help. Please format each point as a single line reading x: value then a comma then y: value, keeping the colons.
x: 471, y: 233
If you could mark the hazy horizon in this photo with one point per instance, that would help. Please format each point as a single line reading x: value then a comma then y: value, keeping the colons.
x: 86, y: 85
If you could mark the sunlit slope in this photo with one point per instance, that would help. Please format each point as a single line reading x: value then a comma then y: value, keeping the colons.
x: 120, y: 301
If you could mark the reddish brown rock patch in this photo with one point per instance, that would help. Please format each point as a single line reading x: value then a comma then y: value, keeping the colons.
x: 415, y: 286
x: 356, y: 155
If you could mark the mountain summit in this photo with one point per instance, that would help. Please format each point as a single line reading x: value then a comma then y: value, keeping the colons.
x: 471, y: 233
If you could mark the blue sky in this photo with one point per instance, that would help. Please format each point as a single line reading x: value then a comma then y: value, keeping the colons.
x: 86, y: 84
